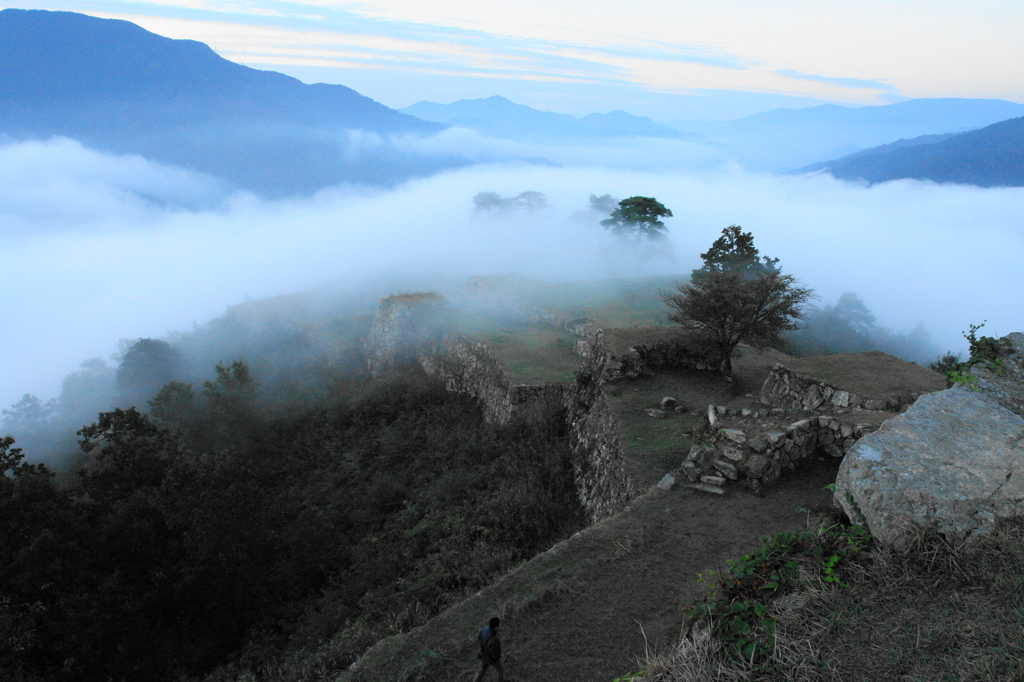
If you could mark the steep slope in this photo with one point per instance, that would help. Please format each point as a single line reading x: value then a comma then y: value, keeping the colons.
x: 990, y: 157
x: 116, y: 86
x: 500, y: 117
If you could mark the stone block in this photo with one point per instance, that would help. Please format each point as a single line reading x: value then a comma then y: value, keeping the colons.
x: 757, y: 445
x: 667, y: 403
x: 707, y: 488
x: 812, y: 397
x: 735, y: 435
x: 757, y: 465
x: 713, y: 480
x: 690, y: 470
x: 666, y: 482
x: 846, y: 430
x: 654, y: 413
x: 702, y: 455
x: 727, y: 469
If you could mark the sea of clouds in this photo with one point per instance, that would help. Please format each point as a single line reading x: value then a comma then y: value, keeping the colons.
x: 98, y: 247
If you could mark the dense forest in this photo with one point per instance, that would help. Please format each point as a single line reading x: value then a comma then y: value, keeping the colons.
x: 224, y: 524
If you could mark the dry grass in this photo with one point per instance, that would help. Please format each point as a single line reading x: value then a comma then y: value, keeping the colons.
x: 932, y: 612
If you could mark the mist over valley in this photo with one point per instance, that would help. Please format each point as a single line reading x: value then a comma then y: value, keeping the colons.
x: 297, y: 384
x: 119, y: 223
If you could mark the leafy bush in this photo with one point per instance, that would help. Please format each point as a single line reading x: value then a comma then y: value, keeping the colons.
x: 737, y: 605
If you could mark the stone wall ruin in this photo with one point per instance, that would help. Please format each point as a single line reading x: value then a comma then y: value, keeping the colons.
x: 758, y: 459
x: 579, y: 410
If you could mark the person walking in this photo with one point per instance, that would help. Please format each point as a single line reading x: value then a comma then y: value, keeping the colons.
x: 490, y: 650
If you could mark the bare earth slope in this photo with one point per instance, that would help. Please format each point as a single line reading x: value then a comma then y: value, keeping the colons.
x: 585, y: 611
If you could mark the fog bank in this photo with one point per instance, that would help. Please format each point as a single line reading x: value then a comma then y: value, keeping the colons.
x: 100, y: 247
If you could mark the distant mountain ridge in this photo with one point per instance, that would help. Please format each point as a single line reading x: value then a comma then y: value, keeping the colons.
x: 783, y: 139
x: 992, y: 156
x: 116, y: 86
x: 499, y: 117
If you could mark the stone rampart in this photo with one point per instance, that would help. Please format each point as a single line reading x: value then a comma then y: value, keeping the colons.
x: 789, y: 389
x: 579, y: 410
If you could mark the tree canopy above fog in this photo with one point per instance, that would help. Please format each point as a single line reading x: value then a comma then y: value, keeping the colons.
x: 638, y: 217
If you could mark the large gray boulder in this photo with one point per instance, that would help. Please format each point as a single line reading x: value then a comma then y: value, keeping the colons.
x: 953, y: 462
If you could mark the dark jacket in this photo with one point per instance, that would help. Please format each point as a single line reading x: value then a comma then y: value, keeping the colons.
x: 490, y: 645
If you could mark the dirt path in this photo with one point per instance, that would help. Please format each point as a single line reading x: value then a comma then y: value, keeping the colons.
x: 631, y: 576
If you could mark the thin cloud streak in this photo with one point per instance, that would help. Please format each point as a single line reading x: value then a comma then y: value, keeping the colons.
x: 699, y: 47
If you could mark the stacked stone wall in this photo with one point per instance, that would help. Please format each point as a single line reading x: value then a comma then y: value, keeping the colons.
x: 757, y: 461
x: 788, y: 389
x: 641, y: 359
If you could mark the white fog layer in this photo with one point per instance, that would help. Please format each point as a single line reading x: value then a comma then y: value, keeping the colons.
x: 97, y: 247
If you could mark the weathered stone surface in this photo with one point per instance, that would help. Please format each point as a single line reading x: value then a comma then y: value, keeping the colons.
x: 713, y: 480
x: 735, y: 435
x: 667, y: 403
x: 731, y: 453
x: 813, y: 397
x: 1006, y: 387
x: 954, y: 462
x: 771, y: 474
x: 691, y: 471
x: 704, y: 487
x: 712, y: 415
x: 727, y: 469
x: 654, y: 413
x: 666, y: 482
x: 757, y: 465
x: 702, y: 455
x: 757, y: 445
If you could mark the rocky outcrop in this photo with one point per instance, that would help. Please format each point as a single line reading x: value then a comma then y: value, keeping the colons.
x: 953, y: 462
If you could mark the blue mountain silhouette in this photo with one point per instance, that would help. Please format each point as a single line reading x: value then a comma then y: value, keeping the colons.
x: 115, y: 86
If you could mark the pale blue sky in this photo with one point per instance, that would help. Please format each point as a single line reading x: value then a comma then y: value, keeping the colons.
x: 671, y: 60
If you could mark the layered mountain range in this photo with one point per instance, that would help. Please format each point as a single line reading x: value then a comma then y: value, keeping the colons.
x: 115, y: 86
x: 990, y: 157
